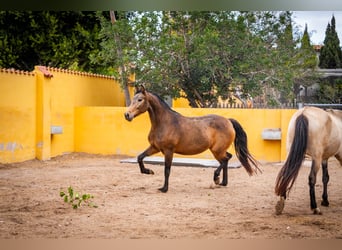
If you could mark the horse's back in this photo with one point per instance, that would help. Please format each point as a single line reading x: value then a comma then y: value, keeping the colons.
x: 324, y: 132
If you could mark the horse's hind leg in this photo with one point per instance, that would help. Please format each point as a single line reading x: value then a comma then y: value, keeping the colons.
x: 225, y: 170
x: 325, y: 180
x: 223, y: 166
x: 280, y: 205
x: 149, y: 151
x: 217, y: 174
x: 312, y: 182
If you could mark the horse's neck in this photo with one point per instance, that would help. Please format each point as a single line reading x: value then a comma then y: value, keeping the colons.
x: 157, y: 112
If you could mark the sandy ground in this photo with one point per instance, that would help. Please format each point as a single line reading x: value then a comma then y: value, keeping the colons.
x: 131, y: 207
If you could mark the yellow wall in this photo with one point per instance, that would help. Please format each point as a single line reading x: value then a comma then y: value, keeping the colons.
x: 90, y: 108
x: 180, y: 103
x: 31, y: 102
x: 17, y: 116
x: 71, y: 89
x: 112, y: 134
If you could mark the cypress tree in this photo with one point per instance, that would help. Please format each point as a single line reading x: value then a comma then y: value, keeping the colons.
x: 331, y: 54
x: 307, y: 52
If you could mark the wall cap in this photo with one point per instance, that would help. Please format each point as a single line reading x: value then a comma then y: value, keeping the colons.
x: 74, y: 72
x: 45, y: 71
x: 16, y: 71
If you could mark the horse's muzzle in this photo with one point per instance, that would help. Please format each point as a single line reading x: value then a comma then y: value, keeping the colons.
x: 128, y: 117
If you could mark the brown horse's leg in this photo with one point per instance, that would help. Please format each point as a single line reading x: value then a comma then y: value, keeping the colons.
x: 225, y: 169
x: 223, y: 166
x: 325, y: 180
x: 149, y: 151
x: 217, y: 174
x: 167, y: 169
x: 312, y: 183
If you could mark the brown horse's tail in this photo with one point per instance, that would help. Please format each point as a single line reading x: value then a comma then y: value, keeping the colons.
x: 241, y: 149
x: 289, y: 172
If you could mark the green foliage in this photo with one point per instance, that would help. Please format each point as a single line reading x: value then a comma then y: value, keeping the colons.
x: 331, y: 53
x: 53, y: 38
x: 307, y: 53
x: 206, y: 55
x: 116, y: 46
x: 75, y: 199
x: 330, y: 91
x: 200, y: 55
x: 117, y: 52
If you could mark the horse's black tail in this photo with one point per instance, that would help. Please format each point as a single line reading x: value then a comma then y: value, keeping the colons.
x: 241, y: 149
x: 289, y: 172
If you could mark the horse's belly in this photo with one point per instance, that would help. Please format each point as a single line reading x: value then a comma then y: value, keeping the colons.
x: 192, y: 148
x: 192, y: 151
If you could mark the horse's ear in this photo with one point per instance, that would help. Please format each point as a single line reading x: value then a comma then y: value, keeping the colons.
x: 142, y: 89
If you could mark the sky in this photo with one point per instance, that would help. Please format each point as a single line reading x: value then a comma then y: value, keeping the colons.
x: 317, y: 22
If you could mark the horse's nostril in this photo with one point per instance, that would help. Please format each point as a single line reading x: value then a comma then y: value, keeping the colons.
x: 127, y: 116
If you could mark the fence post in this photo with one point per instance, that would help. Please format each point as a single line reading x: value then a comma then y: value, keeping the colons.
x: 43, y: 115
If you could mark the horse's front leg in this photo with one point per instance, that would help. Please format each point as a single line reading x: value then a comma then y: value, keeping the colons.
x: 167, y: 169
x: 325, y: 180
x: 149, y: 151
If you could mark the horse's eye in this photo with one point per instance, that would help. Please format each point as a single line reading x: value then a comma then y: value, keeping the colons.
x: 140, y: 100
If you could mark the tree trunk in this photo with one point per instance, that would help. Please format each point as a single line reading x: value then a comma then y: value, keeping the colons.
x: 127, y: 96
x: 123, y: 73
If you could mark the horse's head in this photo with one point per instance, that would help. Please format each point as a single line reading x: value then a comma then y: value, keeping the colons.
x: 138, y: 105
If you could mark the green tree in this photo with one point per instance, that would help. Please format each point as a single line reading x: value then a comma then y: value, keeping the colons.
x: 117, y: 51
x: 331, y: 54
x: 330, y: 91
x: 208, y: 54
x: 59, y: 39
x: 284, y: 61
x: 307, y: 53
x: 205, y: 55
x: 307, y: 62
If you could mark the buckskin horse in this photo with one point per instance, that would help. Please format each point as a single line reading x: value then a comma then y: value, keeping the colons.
x: 172, y: 133
x: 317, y: 133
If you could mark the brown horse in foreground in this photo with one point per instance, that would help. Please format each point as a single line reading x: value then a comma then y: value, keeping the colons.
x: 317, y: 133
x: 173, y: 133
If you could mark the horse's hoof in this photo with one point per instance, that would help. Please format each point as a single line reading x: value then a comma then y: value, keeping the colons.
x: 317, y: 211
x: 217, y: 180
x: 280, y: 206
x: 163, y: 189
x: 146, y: 171
x: 325, y: 203
x: 213, y: 186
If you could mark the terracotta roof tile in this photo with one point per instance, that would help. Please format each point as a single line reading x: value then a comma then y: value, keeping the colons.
x: 16, y: 71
